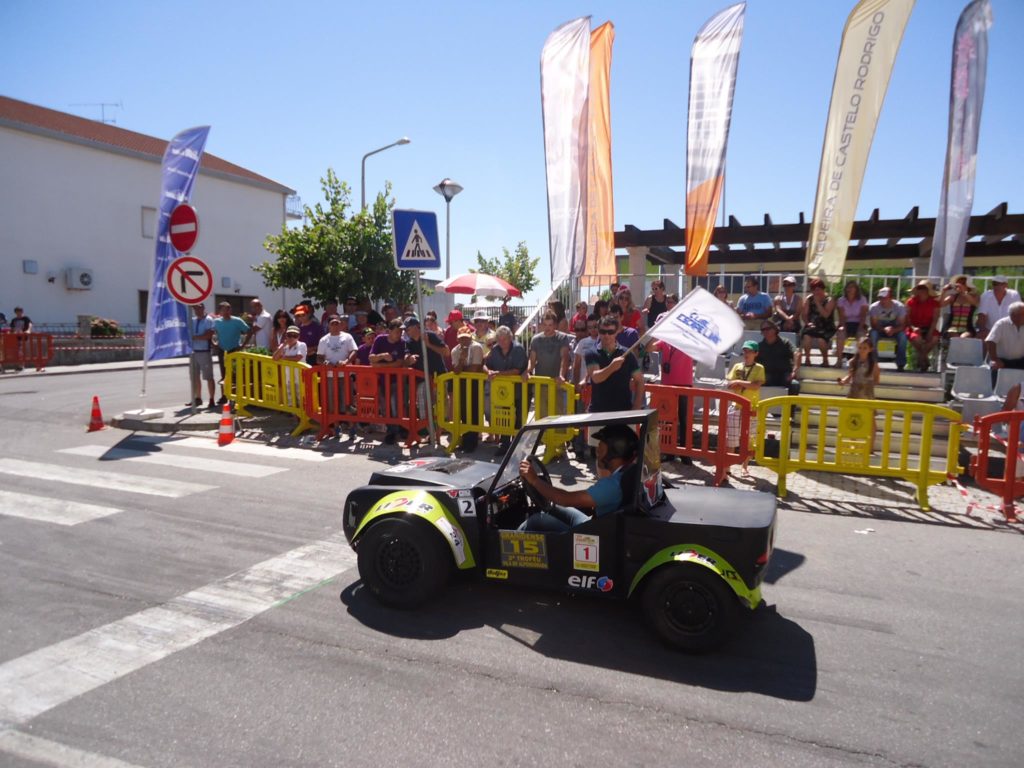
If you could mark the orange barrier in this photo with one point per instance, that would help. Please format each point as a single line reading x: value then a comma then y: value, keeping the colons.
x: 665, y: 400
x: 21, y: 350
x: 1009, y: 486
x: 362, y: 394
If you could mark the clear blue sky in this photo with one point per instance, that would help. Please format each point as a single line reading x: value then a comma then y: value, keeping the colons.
x: 290, y: 89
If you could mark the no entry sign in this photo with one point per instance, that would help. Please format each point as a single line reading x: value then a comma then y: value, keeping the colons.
x: 183, y: 228
x: 189, y: 280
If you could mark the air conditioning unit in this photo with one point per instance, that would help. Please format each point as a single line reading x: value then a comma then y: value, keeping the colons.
x: 78, y: 279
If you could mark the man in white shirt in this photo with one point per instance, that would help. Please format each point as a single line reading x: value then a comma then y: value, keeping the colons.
x: 995, y: 304
x: 260, y: 327
x: 337, y: 346
x: 1005, y: 342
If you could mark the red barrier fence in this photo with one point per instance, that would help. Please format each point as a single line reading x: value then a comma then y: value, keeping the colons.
x: 990, y: 429
x: 361, y: 394
x: 21, y: 350
x: 695, y: 406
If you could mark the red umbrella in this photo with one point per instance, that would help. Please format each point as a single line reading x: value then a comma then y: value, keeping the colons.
x: 479, y: 284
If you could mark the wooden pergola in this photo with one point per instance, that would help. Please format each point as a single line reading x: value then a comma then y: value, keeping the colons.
x: 994, y: 239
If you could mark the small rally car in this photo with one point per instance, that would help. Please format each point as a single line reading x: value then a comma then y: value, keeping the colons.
x: 694, y: 556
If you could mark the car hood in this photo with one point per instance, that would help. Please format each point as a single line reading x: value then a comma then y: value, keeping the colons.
x: 442, y: 471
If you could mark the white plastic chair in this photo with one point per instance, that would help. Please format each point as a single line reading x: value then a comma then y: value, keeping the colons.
x: 978, y: 407
x: 965, y: 352
x: 708, y: 372
x: 972, y: 383
x: 1005, y: 379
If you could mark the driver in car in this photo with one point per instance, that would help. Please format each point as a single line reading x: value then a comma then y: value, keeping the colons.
x: 616, y: 450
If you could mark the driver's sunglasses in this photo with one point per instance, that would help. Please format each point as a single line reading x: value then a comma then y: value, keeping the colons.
x: 605, y: 332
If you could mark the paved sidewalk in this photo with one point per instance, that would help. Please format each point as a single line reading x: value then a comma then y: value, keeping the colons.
x: 127, y: 365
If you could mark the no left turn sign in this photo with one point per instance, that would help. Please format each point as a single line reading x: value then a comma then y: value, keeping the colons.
x: 189, y: 280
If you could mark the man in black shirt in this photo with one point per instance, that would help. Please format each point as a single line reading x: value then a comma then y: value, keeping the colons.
x: 612, y: 370
x: 780, y: 361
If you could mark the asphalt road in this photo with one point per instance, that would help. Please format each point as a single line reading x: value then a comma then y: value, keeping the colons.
x: 226, y: 626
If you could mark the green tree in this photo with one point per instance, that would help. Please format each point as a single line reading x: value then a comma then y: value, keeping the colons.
x: 516, y: 268
x: 337, y: 252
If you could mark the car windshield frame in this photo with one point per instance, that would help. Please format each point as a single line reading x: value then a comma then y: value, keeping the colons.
x: 530, y: 436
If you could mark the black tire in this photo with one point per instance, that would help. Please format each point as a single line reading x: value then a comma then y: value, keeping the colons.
x: 690, y: 607
x: 402, y: 562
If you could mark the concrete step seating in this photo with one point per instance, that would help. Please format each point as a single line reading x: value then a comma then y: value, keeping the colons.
x: 894, y: 385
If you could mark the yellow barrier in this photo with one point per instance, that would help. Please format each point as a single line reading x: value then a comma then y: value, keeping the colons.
x: 857, y: 424
x: 469, y: 402
x: 261, y: 381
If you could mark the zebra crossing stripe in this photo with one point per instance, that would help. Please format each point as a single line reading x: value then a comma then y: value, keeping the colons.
x: 41, y: 680
x: 238, y: 446
x: 178, y: 461
x: 47, y: 510
x: 111, y: 481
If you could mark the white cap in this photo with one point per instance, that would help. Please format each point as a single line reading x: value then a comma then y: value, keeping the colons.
x: 884, y: 291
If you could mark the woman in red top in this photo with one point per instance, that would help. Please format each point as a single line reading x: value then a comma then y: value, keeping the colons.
x: 580, y: 318
x: 923, y: 322
x: 630, y: 314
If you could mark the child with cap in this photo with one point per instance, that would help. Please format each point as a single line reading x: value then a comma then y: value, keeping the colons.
x: 745, y: 379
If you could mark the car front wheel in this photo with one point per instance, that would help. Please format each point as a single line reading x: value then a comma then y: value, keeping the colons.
x: 403, y: 563
x: 690, y: 607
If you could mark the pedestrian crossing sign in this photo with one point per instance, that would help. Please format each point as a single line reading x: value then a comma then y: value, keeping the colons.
x: 415, y: 239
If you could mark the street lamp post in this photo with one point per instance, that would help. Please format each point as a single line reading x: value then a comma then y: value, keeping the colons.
x: 362, y: 177
x: 448, y: 189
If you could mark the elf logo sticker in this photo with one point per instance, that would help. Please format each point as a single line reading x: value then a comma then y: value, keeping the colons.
x: 601, y: 583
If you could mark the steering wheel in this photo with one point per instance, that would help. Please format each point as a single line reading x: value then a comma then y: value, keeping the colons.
x: 543, y: 474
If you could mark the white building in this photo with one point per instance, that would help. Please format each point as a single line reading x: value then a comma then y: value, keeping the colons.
x: 78, y: 210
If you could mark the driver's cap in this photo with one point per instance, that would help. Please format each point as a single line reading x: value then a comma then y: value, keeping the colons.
x: 621, y: 440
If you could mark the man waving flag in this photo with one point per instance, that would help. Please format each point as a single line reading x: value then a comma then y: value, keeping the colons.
x: 700, y: 325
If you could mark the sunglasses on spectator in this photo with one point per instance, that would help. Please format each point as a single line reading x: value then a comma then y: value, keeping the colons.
x: 605, y: 332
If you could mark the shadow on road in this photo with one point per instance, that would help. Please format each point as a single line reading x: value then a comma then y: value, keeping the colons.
x: 770, y: 655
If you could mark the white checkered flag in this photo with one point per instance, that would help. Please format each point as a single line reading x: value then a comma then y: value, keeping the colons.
x: 700, y: 325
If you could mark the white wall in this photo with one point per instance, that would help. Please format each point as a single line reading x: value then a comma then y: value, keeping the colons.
x: 68, y: 205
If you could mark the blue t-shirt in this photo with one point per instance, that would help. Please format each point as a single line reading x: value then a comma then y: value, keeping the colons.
x: 758, y: 304
x: 607, y: 493
x: 201, y: 325
x: 229, y: 332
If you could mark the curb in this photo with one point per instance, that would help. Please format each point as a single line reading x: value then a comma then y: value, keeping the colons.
x: 155, y: 425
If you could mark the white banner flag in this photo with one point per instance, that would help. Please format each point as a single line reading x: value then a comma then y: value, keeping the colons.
x: 867, y: 53
x: 966, y: 95
x: 564, y: 86
x: 700, y: 325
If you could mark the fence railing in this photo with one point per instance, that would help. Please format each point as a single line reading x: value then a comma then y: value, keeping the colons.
x: 22, y: 350
x: 690, y: 419
x: 261, y: 381
x: 809, y: 441
x: 993, y: 429
x: 470, y: 402
x: 360, y: 394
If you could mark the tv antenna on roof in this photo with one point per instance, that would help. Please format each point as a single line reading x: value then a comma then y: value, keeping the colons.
x: 103, y: 108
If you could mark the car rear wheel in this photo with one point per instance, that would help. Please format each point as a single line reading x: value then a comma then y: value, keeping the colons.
x: 402, y: 562
x: 690, y: 607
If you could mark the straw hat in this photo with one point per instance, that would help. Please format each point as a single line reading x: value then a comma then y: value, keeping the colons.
x: 927, y: 285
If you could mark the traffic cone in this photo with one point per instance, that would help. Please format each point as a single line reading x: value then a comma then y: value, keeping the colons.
x: 96, y: 420
x: 227, y: 427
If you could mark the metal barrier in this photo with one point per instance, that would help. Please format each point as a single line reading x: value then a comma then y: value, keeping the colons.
x: 470, y: 402
x: 1011, y: 485
x: 361, y: 394
x: 852, y: 449
x: 666, y: 401
x: 261, y: 381
x: 21, y: 350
